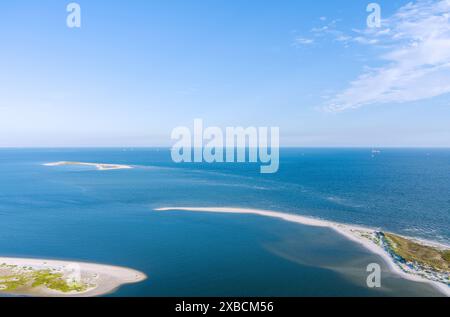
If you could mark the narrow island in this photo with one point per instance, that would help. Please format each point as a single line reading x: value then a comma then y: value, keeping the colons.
x: 50, y: 278
x: 99, y: 166
x: 412, y: 259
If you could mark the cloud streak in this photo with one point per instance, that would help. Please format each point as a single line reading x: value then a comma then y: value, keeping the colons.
x: 416, y: 40
x: 303, y: 41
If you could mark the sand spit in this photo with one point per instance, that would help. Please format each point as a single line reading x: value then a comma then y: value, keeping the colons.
x: 366, y: 237
x: 99, y: 166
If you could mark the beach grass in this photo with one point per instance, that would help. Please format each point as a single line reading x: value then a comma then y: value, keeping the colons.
x: 419, y: 253
x: 45, y: 278
x: 56, y: 281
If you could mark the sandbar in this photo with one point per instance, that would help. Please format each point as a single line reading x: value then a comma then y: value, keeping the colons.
x: 366, y: 237
x: 99, y: 166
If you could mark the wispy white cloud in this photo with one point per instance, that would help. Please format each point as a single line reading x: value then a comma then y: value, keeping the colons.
x: 303, y: 41
x: 416, y: 40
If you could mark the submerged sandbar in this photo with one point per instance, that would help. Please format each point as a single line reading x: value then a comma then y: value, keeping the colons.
x: 50, y: 278
x: 99, y: 166
x: 408, y: 258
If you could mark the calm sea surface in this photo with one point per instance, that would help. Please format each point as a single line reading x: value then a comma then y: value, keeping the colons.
x: 107, y: 217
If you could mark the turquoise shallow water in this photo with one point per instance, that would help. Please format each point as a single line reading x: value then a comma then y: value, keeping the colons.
x: 107, y: 217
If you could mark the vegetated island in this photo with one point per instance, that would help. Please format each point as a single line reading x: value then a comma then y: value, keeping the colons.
x: 99, y: 166
x: 49, y: 278
x: 412, y: 259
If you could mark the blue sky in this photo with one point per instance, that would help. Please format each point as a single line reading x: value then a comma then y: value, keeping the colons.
x: 137, y: 69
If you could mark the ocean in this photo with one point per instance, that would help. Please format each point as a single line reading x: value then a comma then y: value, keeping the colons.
x: 80, y: 213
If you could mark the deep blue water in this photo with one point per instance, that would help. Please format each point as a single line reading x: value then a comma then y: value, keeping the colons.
x: 107, y: 217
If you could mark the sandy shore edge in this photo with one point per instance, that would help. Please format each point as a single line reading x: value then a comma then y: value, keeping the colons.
x: 348, y: 231
x: 105, y: 278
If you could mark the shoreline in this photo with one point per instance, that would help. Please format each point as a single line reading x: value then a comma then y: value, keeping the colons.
x: 352, y: 232
x: 95, y: 279
x: 98, y: 166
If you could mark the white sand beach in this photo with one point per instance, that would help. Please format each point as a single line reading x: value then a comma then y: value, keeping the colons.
x: 99, y: 166
x: 96, y: 279
x: 360, y: 235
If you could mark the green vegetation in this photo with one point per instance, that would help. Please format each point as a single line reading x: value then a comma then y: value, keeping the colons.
x: 447, y: 256
x: 55, y: 281
x: 420, y: 254
x: 13, y: 280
